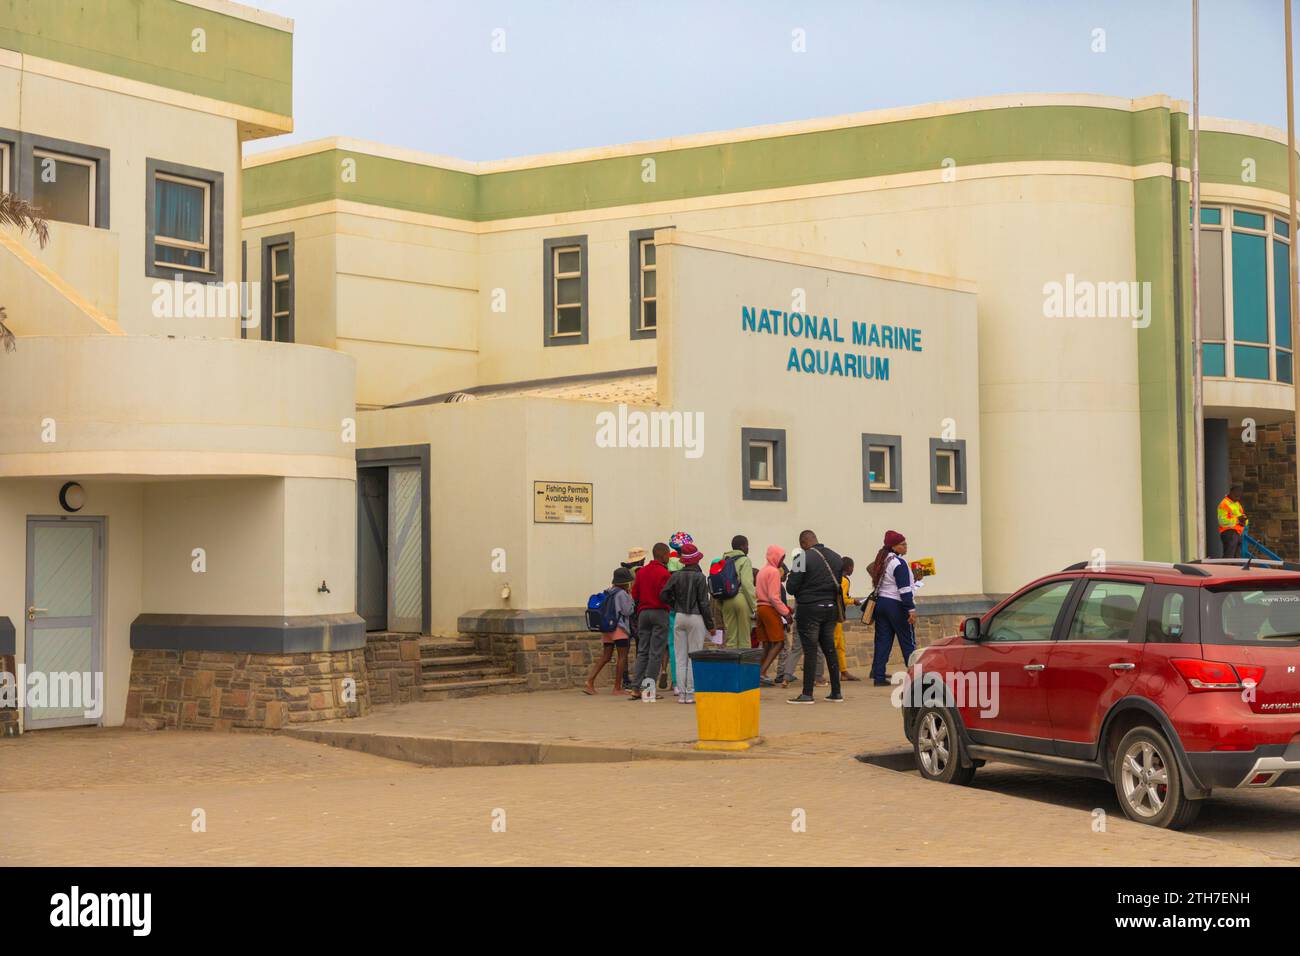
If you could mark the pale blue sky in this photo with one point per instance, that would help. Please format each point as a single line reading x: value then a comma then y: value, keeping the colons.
x: 421, y: 73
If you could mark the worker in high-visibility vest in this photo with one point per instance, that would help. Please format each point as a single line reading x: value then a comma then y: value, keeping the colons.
x: 1232, y: 522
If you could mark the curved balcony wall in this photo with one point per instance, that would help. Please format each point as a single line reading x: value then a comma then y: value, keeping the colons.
x: 146, y: 405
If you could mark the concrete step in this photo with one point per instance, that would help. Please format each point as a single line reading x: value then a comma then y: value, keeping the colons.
x: 457, y: 660
x: 432, y: 647
x: 439, y: 678
x: 438, y: 690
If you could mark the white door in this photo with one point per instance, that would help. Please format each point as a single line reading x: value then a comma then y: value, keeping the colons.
x: 64, y: 600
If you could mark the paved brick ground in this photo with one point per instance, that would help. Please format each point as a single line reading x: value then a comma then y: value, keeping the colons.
x: 867, y: 720
x: 116, y: 797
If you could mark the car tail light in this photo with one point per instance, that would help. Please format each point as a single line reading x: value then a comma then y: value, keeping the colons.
x: 1216, y: 675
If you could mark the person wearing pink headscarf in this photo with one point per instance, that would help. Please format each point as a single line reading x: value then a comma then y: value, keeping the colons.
x: 772, y: 612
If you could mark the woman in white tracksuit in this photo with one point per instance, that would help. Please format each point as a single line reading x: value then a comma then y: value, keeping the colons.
x: 687, y: 595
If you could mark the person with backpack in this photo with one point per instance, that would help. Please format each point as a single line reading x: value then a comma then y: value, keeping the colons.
x: 635, y: 561
x: 652, y: 619
x: 731, y: 581
x: 895, y: 604
x: 687, y: 593
x: 815, y: 583
x: 614, y: 618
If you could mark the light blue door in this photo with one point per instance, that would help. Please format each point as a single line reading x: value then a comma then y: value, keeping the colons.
x: 63, y: 613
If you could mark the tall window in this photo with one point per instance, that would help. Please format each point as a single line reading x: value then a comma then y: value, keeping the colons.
x: 4, y: 168
x: 278, y: 288
x: 643, y: 283
x: 565, y: 293
x: 649, y: 293
x: 63, y: 187
x: 182, y: 230
x: 567, y: 279
x: 1245, y: 294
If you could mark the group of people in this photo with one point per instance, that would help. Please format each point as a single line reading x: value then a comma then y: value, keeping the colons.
x: 670, y: 607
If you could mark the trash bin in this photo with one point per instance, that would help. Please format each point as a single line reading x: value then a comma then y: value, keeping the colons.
x: 726, y: 697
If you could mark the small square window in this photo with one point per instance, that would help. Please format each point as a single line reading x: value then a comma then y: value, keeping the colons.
x: 882, y: 468
x: 762, y: 452
x: 184, y: 222
x: 761, y: 456
x: 947, y: 471
x: 63, y: 187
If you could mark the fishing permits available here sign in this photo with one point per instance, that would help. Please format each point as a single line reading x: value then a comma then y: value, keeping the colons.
x: 562, y: 502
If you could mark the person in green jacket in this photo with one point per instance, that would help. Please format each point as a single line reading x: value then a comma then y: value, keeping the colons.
x: 738, y: 612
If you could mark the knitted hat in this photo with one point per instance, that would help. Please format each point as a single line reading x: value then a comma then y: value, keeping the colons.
x: 678, y: 539
x: 622, y: 576
x: 893, y: 538
x: 691, y: 554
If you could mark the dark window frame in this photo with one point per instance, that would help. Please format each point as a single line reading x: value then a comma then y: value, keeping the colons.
x: 777, y: 437
x: 216, y: 220
x: 267, y: 319
x: 23, y: 145
x: 635, y: 238
x: 895, y: 445
x: 549, y: 339
x: 958, y: 497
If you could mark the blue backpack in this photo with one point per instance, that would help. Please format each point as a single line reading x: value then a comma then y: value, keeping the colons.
x: 724, y: 581
x: 602, y: 611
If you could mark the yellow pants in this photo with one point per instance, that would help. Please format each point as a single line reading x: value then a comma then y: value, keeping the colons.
x: 839, y: 646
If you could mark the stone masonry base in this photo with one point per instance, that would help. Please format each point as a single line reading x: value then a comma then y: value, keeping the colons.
x: 220, y: 690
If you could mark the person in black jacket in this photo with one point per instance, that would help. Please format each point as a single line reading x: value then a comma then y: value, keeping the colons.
x: 815, y: 583
x: 687, y: 595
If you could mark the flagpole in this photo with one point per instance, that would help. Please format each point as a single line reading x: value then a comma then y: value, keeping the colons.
x: 1291, y: 217
x: 1198, y: 393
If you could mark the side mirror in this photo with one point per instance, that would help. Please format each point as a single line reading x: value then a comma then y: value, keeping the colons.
x: 970, y: 629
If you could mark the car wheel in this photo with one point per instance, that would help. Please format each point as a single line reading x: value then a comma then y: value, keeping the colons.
x: 1149, y: 781
x: 938, y: 748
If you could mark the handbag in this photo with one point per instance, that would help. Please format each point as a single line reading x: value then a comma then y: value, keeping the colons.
x: 839, y: 591
x: 869, y: 608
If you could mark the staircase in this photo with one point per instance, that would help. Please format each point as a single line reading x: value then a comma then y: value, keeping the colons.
x: 452, y: 667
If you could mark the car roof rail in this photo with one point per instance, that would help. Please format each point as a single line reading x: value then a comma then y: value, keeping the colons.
x: 1163, y: 565
x: 1250, y: 562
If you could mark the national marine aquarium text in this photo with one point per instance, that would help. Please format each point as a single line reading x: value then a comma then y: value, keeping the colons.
x: 823, y: 361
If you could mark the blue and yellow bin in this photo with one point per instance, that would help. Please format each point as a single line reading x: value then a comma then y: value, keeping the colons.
x: 726, y: 697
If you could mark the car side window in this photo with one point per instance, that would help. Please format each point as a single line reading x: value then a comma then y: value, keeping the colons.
x: 1030, y: 617
x: 1107, y: 611
x: 1172, y: 616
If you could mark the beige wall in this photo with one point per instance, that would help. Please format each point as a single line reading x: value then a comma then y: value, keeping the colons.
x: 133, y: 130
x: 137, y: 405
x: 485, y: 454
x: 398, y: 296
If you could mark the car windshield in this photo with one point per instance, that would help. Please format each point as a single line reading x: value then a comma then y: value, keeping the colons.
x: 1269, y: 615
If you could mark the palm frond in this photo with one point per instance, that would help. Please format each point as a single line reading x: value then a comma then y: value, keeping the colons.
x: 6, y: 337
x: 23, y: 216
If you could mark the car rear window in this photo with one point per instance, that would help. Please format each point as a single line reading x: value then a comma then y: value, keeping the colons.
x: 1267, y: 616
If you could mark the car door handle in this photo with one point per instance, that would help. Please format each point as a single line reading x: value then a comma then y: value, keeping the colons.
x: 1034, y: 667
x: 1122, y: 666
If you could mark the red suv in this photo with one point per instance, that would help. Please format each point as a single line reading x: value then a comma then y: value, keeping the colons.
x: 1168, y: 680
